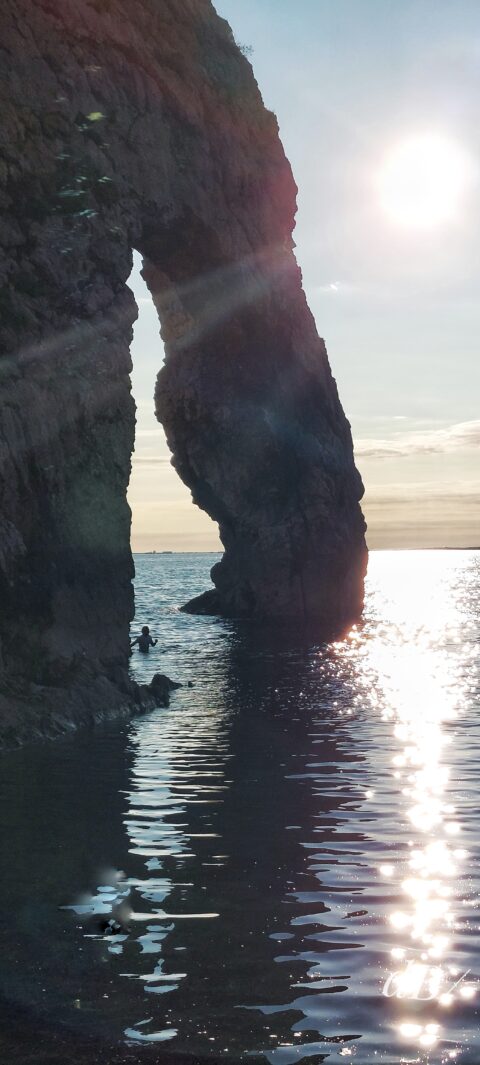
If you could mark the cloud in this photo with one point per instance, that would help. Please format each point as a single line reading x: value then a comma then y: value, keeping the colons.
x: 155, y: 432
x: 330, y: 288
x: 144, y: 301
x: 154, y: 460
x: 423, y: 514
x: 459, y: 437
x: 333, y: 286
x: 421, y: 499
x: 146, y: 405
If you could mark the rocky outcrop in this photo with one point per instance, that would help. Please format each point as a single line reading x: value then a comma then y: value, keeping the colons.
x: 85, y: 697
x: 138, y: 124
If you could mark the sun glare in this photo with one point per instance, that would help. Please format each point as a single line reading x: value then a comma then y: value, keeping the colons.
x: 423, y: 181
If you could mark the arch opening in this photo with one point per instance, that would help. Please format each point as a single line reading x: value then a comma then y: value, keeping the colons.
x: 163, y: 516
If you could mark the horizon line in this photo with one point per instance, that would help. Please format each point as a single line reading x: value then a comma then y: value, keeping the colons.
x: 371, y: 550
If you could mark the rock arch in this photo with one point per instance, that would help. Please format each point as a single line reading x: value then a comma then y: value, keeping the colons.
x: 140, y: 125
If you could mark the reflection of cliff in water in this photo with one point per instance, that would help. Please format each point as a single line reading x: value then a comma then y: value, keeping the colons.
x: 210, y: 815
x: 269, y: 829
x: 178, y: 782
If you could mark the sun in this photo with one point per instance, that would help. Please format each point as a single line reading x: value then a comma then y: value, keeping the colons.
x: 423, y: 181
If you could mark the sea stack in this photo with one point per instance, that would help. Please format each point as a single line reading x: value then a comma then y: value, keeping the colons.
x: 138, y: 124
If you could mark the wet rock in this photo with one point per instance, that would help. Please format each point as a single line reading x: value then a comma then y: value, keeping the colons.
x: 157, y: 693
x: 38, y: 712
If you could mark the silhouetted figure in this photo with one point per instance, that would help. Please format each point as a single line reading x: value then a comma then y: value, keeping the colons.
x: 144, y: 641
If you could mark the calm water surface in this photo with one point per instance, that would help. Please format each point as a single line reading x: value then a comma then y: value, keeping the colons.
x: 291, y: 848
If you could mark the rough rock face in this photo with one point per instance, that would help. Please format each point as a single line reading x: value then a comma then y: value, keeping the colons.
x: 138, y: 124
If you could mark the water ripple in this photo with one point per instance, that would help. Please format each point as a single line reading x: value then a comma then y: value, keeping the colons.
x: 290, y: 851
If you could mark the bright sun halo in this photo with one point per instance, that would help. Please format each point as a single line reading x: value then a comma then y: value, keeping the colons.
x: 423, y: 180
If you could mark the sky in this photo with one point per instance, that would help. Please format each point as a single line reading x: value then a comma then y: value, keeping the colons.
x: 377, y: 103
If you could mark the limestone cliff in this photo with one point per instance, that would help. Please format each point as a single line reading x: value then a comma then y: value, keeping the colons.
x: 138, y: 124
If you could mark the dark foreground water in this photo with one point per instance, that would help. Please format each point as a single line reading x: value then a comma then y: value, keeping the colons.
x: 292, y: 847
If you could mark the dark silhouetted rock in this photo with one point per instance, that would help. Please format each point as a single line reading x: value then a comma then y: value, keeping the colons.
x: 139, y: 124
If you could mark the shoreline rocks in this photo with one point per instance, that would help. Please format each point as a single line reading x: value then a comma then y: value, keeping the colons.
x: 35, y: 712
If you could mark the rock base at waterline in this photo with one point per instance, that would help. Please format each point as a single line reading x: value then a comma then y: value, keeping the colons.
x: 32, y: 712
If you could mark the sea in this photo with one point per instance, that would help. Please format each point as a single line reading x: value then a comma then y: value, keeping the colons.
x: 289, y: 851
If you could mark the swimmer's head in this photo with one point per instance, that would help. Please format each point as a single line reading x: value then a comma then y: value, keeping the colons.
x: 145, y: 630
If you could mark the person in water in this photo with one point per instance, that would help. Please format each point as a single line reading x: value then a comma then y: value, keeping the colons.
x: 144, y: 641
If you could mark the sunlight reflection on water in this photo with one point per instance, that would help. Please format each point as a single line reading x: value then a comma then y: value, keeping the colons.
x: 294, y: 871
x: 410, y: 664
x: 424, y: 689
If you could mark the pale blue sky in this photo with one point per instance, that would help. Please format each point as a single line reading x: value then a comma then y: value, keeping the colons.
x: 398, y: 308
